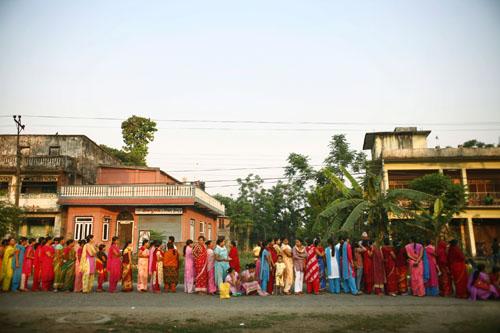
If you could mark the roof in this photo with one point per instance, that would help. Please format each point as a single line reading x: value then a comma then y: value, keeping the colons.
x: 140, y: 168
x: 442, y: 154
x: 370, y: 137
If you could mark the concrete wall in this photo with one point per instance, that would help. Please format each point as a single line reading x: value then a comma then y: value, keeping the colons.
x: 397, y: 141
x: 121, y: 175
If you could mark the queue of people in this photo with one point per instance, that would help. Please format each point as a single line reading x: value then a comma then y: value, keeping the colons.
x: 363, y: 267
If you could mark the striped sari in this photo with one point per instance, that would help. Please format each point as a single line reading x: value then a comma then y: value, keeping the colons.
x: 312, y: 270
x: 68, y: 268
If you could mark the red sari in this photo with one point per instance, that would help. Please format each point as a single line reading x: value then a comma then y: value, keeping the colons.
x: 378, y: 270
x: 47, y: 267
x: 442, y: 262
x: 274, y: 258
x: 37, y: 269
x: 114, y: 267
x: 391, y: 273
x: 456, y: 262
x: 402, y: 271
x: 100, y: 267
x: 200, y: 266
x: 235, y: 259
x: 368, y: 271
x: 312, y: 270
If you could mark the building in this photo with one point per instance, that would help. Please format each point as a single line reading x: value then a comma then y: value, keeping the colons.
x: 135, y: 202
x: 47, y: 163
x: 403, y: 155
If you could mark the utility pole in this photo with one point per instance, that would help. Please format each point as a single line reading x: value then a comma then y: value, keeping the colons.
x: 20, y: 127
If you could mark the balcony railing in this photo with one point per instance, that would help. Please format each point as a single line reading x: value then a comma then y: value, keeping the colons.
x: 142, y: 191
x: 484, y: 198
x: 38, y: 162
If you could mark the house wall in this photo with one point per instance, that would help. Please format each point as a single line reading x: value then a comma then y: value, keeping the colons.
x: 107, y: 175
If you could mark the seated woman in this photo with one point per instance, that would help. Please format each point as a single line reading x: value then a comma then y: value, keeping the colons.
x: 495, y: 278
x: 249, y: 283
x: 479, y: 285
x: 234, y: 282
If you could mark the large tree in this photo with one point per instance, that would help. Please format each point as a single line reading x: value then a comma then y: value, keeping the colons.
x: 10, y: 219
x: 342, y: 156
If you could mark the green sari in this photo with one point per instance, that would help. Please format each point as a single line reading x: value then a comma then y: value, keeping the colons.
x: 68, y: 269
x: 58, y: 261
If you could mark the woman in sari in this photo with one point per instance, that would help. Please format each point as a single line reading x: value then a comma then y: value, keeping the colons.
x: 265, y: 266
x: 200, y: 266
x: 211, y: 287
x: 272, y: 249
x: 367, y: 267
x: 29, y: 255
x: 286, y: 252
x: 68, y: 266
x: 456, y: 262
x: 101, y: 263
x: 312, y: 270
x: 414, y: 251
x: 348, y: 275
x: 379, y: 278
x: 157, y: 268
x: 249, y: 283
x: 127, y: 284
x: 87, y: 264
x: 442, y: 264
x: 17, y: 264
x: 320, y: 254
x: 333, y: 271
x: 221, y: 262
x: 58, y: 261
x: 78, y: 273
x: 299, y: 255
x: 235, y: 258
x: 114, y: 264
x: 47, y: 265
x: 143, y: 266
x: 480, y: 286
x: 402, y: 269
x: 391, y: 286
x: 233, y: 278
x: 189, y: 270
x: 431, y: 270
x: 37, y: 268
x: 170, y: 268
x: 7, y: 271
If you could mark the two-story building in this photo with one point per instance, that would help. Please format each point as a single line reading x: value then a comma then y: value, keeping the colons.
x: 403, y: 156
x: 47, y: 163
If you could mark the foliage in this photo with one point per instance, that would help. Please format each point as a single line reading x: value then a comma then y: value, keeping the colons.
x: 137, y: 133
x: 157, y: 236
x: 477, y: 144
x: 124, y: 157
x: 10, y: 219
x: 342, y: 156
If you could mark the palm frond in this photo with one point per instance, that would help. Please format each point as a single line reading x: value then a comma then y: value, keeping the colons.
x: 407, y: 193
x: 337, y: 206
x: 354, y: 183
x: 355, y: 215
x: 338, y: 183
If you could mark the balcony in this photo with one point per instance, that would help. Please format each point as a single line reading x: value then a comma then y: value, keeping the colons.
x: 35, y: 163
x: 39, y: 202
x: 156, y: 194
x: 484, y: 199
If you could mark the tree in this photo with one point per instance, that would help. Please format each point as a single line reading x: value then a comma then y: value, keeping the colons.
x: 123, y: 156
x: 477, y: 144
x: 10, y: 219
x: 137, y: 133
x: 342, y: 156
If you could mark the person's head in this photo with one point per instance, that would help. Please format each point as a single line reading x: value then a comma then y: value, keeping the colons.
x: 453, y: 242
x: 115, y: 240
x: 307, y: 241
x: 329, y: 241
x: 387, y: 241
x: 41, y: 240
x: 5, y: 242
x: 251, y: 267
x: 171, y: 239
x: 201, y: 240
x: 270, y: 242
x: 23, y: 241
x: 145, y: 243
x: 56, y: 240
x: 127, y: 244
x: 31, y: 241
x: 221, y: 242
x: 298, y: 242
x: 189, y: 243
x: 208, y: 244
x: 364, y: 235
x: 90, y: 239
x: 285, y: 241
x: 48, y: 240
x: 481, y: 267
x: 170, y: 246
x: 316, y: 241
x: 12, y: 241
x: 70, y: 243
x: 280, y: 258
x: 277, y: 241
x: 230, y: 270
x: 233, y: 243
x: 81, y: 242
x: 102, y: 247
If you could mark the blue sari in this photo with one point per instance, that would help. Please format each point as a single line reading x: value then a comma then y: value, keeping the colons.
x: 264, y: 270
x: 16, y: 278
x: 429, y: 291
x: 322, y: 275
x: 349, y: 283
x: 220, y: 267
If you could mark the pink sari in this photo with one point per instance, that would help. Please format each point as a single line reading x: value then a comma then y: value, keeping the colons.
x: 211, y: 271
x: 143, y: 269
x: 114, y: 265
x: 414, y: 252
x: 189, y: 271
x: 78, y: 272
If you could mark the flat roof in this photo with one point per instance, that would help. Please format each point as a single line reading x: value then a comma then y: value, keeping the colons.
x: 370, y: 137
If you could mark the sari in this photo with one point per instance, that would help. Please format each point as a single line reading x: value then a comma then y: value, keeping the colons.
x: 47, y: 267
x: 286, y: 252
x: 87, y: 267
x: 220, y: 266
x: 27, y: 266
x: 78, y: 273
x: 18, y: 271
x: 431, y: 281
x: 211, y: 287
x: 189, y: 270
x: 322, y: 268
x: 58, y: 262
x: 156, y: 270
x: 200, y: 267
x: 170, y: 270
x: 379, y: 279
x: 249, y: 283
x: 235, y: 259
x: 7, y: 271
x: 442, y: 262
x: 348, y: 274
x: 142, y: 269
x: 402, y: 271
x: 481, y: 288
x: 265, y: 270
x: 68, y: 268
x: 368, y: 271
x: 391, y: 274
x: 100, y: 266
x: 414, y: 251
x: 127, y: 284
x: 113, y: 266
x: 234, y: 283
x: 456, y: 262
x: 272, y: 271
x: 37, y: 268
x: 312, y: 270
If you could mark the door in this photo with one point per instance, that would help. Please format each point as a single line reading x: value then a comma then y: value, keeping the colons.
x: 124, y: 232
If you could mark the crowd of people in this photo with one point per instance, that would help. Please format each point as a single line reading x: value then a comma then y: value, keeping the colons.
x: 278, y: 268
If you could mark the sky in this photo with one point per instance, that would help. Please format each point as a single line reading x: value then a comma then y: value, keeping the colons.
x: 241, y: 84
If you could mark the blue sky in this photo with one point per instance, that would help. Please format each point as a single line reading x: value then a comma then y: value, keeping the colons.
x: 372, y: 64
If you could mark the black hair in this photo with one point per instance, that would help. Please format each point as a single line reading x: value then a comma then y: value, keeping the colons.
x: 387, y: 241
x: 82, y: 242
x: 276, y: 239
x: 219, y: 240
x: 201, y: 237
x: 127, y: 243
x: 41, y: 239
x: 32, y: 240
x: 453, y: 242
x: 101, y: 247
x: 230, y: 270
x: 317, y: 241
x: 89, y: 238
x: 300, y: 240
x: 69, y: 241
x: 114, y: 239
x: 233, y: 243
x: 48, y: 238
x: 145, y: 241
x: 171, y: 238
x: 250, y: 266
x: 480, y: 268
x: 262, y: 248
x: 170, y: 246
x: 188, y: 242
x: 208, y: 242
x: 280, y: 256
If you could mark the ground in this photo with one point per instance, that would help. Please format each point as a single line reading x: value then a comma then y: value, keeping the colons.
x: 179, y: 312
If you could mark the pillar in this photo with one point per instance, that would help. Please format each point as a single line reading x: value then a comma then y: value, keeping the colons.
x: 386, y: 180
x: 472, y: 239
x: 462, y: 234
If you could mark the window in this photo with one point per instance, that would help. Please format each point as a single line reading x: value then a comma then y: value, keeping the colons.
x: 83, y: 227
x: 191, y: 229
x: 105, y: 228
x: 54, y: 151
x: 202, y: 228
x: 38, y: 187
x: 209, y: 235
